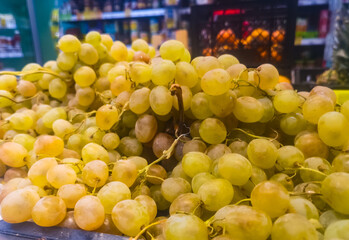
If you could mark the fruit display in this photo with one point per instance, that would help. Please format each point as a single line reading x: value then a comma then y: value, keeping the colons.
x: 154, y: 145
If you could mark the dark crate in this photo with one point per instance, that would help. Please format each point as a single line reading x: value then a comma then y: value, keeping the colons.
x: 254, y: 31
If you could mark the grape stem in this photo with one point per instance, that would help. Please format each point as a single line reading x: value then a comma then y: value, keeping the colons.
x: 39, y: 70
x: 24, y: 100
x: 147, y: 227
x: 306, y: 169
x: 252, y: 135
x: 243, y: 200
x: 177, y: 90
x: 155, y: 177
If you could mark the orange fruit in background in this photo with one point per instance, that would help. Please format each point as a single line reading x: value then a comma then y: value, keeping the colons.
x: 207, y: 52
x: 278, y: 36
x: 260, y: 34
x: 284, y: 79
x: 226, y: 36
x: 276, y: 52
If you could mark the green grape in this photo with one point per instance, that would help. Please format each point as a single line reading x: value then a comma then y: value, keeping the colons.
x: 248, y: 109
x: 89, y: 213
x: 25, y: 140
x: 104, y: 69
x: 344, y: 107
x: 120, y: 84
x: 60, y: 175
x: 316, y: 106
x: 200, y: 179
x: 178, y: 172
x: 196, y: 162
x: 49, y: 211
x: 93, y: 151
x: 235, y: 219
x: 57, y: 88
x: 13, y: 154
x: 303, y: 207
x: 95, y: 173
x: 183, y: 226
x: 186, y: 57
x: 140, y: 45
x: 337, y: 230
x: 93, y: 37
x: 17, y: 206
x: 333, y: 129
x: 84, y: 76
x: 93, y: 134
x: 289, y: 157
x: 311, y: 145
x: 21, y: 121
x: 283, y: 179
x: 293, y: 226
x: 130, y: 216
x: 5, y: 97
x: 48, y: 146
x: 239, y: 146
x: 106, y: 116
x: 172, y: 50
x: 102, y: 51
x: 140, y: 162
x: 88, y: 54
x: 215, y: 82
x: 130, y: 146
x: 335, y: 191
x: 31, y: 67
x: 328, y: 217
x: 227, y: 60
x: 163, y: 72
x: 110, y: 141
x: 235, y: 168
x: 189, y: 203
x: 125, y: 171
x: 26, y: 88
x: 146, y: 128
x: 129, y: 119
x: 186, y: 98
x: 160, y: 100
x: 286, y: 101
x: 139, y: 100
x: 118, y: 70
x: 200, y: 106
x: 258, y: 175
x: 186, y: 74
x: 118, y: 51
x: 216, y: 193
x: 52, y: 115
x: 140, y: 190
x: 293, y: 123
x: 69, y: 43
x: 102, y: 84
x: 216, y: 151
x: 76, y: 142
x: 112, y: 193
x: 270, y: 197
x: 41, y: 109
x: 212, y: 131
x: 222, y: 105
x: 318, y: 164
x: 268, y: 76
x: 161, y: 202
x: 71, y: 193
x: 262, y: 153
x: 321, y: 90
x: 268, y: 107
x: 140, y: 72
x: 106, y: 40
x: 85, y: 96
x: 172, y: 187
x: 204, y: 64
x: 149, y: 204
x: 37, y: 172
x: 66, y: 61
x: 8, y: 82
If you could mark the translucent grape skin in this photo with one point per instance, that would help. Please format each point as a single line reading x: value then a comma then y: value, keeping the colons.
x: 112, y: 193
x: 188, y: 203
x: 13, y: 154
x: 286, y: 101
x: 106, y: 116
x: 215, y: 82
x: 333, y: 129
x: 160, y: 100
x: 146, y: 128
x: 337, y: 230
x: 139, y: 100
x: 248, y: 109
x: 71, y: 193
x: 262, y: 153
x: 289, y: 157
x: 196, y: 162
x: 95, y: 173
x: 212, y: 131
x: 89, y: 213
x: 171, y: 188
x: 49, y: 211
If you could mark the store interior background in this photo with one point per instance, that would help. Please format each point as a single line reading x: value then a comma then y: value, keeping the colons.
x: 296, y: 36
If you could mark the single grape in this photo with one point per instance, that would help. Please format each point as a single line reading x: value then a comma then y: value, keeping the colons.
x: 106, y: 116
x: 110, y: 141
x: 318, y: 164
x: 130, y: 146
x: 262, y: 153
x: 125, y: 171
x: 69, y: 43
x: 186, y: 74
x: 330, y: 216
x: 216, y: 151
x: 60, y: 175
x: 311, y: 145
x: 163, y: 72
x: 120, y: 84
x: 205, y: 64
x: 333, y: 129
x: 321, y: 90
x: 215, y: 82
x: 293, y: 123
x: 37, y: 172
x: 66, y: 61
x: 172, y: 187
x: 118, y: 51
x: 268, y: 76
x: 196, y: 162
x: 26, y: 88
x: 289, y: 157
x: 89, y: 213
x: 5, y: 97
x: 13, y: 154
x: 212, y: 131
x: 239, y: 147
x: 283, y: 179
x: 248, y: 109
x: 112, y: 193
x: 146, y: 128
x: 95, y: 173
x: 71, y: 193
x: 160, y: 100
x: 85, y: 96
x: 227, y: 60
x: 303, y: 207
x: 286, y: 101
x: 268, y: 107
x: 187, y: 203
x: 49, y: 211
x: 222, y: 105
x: 172, y: 50
x: 149, y: 204
x: 62, y: 128
x: 8, y: 82
x: 200, y: 106
x: 316, y: 106
x: 139, y: 100
x: 88, y: 54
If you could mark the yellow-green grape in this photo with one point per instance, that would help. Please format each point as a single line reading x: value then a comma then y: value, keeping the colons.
x: 151, y: 52
x: 140, y: 162
x: 104, y: 69
x: 186, y: 97
x: 101, y: 50
x: 112, y: 193
x: 57, y: 88
x: 339, y: 163
x: 37, y: 172
x: 125, y: 171
x: 17, y: 206
x: 187, y: 203
x: 172, y: 187
x: 186, y: 57
x: 217, y: 150
x: 130, y: 55
x: 93, y: 37
x: 163, y: 72
x: 315, y: 106
x: 26, y: 88
x: 335, y: 191
x: 215, y: 82
x: 111, y: 141
x: 130, y: 146
x: 194, y: 145
x: 303, y: 207
x: 76, y: 142
x: 286, y: 101
x: 160, y: 100
x: 88, y: 54
x: 238, y: 72
x: 25, y: 140
x: 69, y: 43
x: 89, y: 213
x: 186, y: 74
x: 149, y: 204
x: 204, y: 64
x: 293, y: 226
x: 200, y: 106
x: 140, y: 72
x: 262, y: 153
x: 185, y: 226
x: 106, y: 40
x: 283, y: 179
x: 5, y: 97
x: 196, y: 162
x: 116, y: 71
x: 227, y: 60
x: 130, y: 216
x: 60, y: 175
x: 268, y: 76
x: 139, y: 100
x: 234, y: 220
x: 45, y: 81
x: 222, y: 105
x: 345, y: 109
x: 8, y: 82
x: 270, y: 197
x: 21, y: 121
x: 293, y: 123
x: 93, y: 151
x: 85, y: 96
x: 66, y: 61
x: 311, y: 145
x: 41, y: 109
x: 49, y: 211
x: 319, y: 164
x: 330, y: 216
x: 84, y: 76
x: 102, y: 84
x: 212, y: 131
x: 172, y: 50
x: 71, y: 193
x: 216, y: 193
x: 140, y: 45
x: 268, y: 107
x: 326, y: 91
x: 248, y: 109
x: 337, y: 230
x: 13, y: 154
x: 118, y: 51
x: 106, y: 116
x: 120, y: 84
x: 95, y: 173
x: 289, y: 157
x: 48, y: 146
x: 31, y: 67
x: 145, y: 128
x: 333, y: 129
x: 93, y: 134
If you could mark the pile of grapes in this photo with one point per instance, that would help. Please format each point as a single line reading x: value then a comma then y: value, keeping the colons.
x: 158, y: 146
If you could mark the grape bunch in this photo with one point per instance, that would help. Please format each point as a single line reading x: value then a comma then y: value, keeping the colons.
x: 153, y: 145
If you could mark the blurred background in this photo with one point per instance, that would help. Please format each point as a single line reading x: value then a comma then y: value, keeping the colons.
x: 302, y: 38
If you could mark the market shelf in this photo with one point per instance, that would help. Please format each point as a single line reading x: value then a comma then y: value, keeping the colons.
x: 310, y: 42
x: 11, y: 55
x: 302, y: 3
